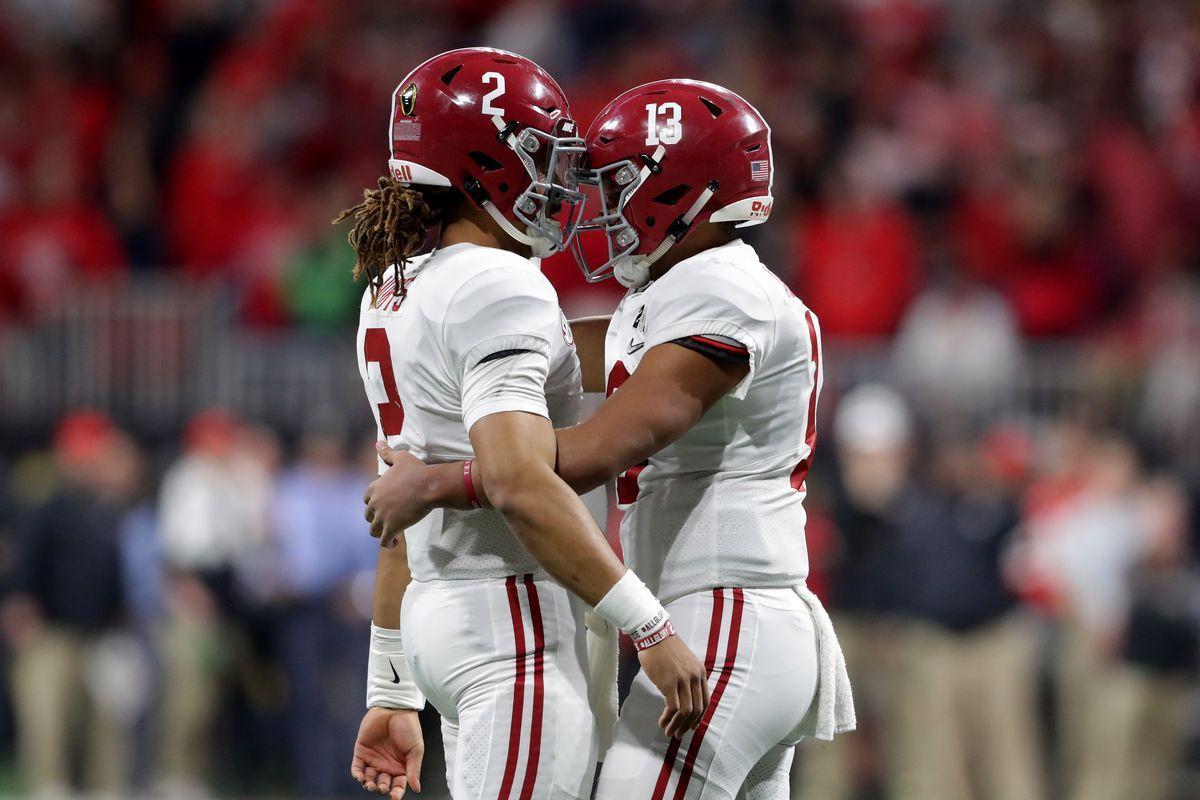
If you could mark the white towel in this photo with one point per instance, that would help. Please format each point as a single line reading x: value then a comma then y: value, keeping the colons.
x: 834, y: 702
x: 602, y: 677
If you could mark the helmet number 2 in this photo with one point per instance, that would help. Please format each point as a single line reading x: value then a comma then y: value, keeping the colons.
x: 488, y: 108
x: 667, y: 114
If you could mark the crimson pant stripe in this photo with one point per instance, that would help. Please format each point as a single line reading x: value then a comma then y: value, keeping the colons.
x: 518, y: 707
x: 710, y: 660
x: 731, y: 646
x: 539, y: 657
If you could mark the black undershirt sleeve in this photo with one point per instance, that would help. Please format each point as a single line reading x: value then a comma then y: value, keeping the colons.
x: 721, y: 352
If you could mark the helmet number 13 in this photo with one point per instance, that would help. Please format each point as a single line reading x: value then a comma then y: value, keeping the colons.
x: 668, y: 116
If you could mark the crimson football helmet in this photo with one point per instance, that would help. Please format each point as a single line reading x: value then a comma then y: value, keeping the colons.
x: 496, y: 126
x: 663, y: 155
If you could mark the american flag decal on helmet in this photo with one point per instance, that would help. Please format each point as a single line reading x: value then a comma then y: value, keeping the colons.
x: 759, y: 170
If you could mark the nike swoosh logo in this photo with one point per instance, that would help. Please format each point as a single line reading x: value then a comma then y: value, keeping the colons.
x: 635, y: 346
x: 395, y: 675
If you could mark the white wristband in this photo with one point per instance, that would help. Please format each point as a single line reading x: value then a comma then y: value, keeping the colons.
x: 630, y: 607
x: 389, y: 682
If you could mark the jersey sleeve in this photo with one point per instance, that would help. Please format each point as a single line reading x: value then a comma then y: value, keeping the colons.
x: 498, y: 334
x: 717, y: 313
x: 514, y: 382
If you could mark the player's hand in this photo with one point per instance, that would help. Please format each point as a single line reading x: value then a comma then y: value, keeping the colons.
x: 679, y: 675
x: 394, y: 499
x: 388, y: 752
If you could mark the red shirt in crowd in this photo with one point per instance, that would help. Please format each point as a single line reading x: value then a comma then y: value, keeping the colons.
x: 46, y: 249
x: 858, y: 267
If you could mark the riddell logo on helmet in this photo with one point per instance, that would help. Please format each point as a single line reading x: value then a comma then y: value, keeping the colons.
x: 408, y: 99
x: 761, y: 208
x: 402, y: 173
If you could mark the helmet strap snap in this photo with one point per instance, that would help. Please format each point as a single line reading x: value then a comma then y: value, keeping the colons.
x: 505, y: 131
x: 652, y: 162
x: 476, y: 192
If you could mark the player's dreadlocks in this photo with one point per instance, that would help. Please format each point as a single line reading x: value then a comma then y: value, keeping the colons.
x: 391, y: 225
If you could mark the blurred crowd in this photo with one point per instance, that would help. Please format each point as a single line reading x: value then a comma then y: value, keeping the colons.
x: 1046, y: 151
x: 961, y: 185
x: 1019, y: 605
x: 195, y: 629
x: 1019, y: 602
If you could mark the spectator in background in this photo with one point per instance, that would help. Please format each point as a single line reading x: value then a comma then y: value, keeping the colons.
x: 213, y: 515
x: 323, y: 551
x: 143, y: 584
x: 1168, y: 329
x: 55, y: 237
x: 1018, y: 225
x: 213, y: 190
x: 71, y: 666
x: 958, y: 347
x: 1085, y: 533
x: 873, y: 438
x: 316, y: 287
x: 1151, y: 695
x: 965, y: 684
x: 858, y: 261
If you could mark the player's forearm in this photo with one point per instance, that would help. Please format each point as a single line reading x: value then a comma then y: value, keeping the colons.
x: 547, y: 516
x: 587, y: 459
x: 555, y: 527
x: 443, y: 486
x: 628, y: 428
x: 589, y: 455
x: 594, y: 453
x: 667, y: 395
x: 390, y: 684
x: 516, y: 464
x: 392, y: 577
x: 589, y: 334
x: 552, y: 523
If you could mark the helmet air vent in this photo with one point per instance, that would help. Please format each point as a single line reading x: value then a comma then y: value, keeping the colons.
x: 673, y: 195
x: 485, y: 162
x: 712, y: 107
x: 449, y: 75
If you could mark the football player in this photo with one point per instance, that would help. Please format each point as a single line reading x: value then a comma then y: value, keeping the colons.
x: 464, y: 352
x: 713, y: 368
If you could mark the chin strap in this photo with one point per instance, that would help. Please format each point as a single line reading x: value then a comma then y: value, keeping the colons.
x: 509, y: 228
x: 634, y: 271
x: 539, y: 244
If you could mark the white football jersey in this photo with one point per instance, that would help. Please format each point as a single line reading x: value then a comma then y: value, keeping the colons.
x: 723, y: 505
x: 416, y: 355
